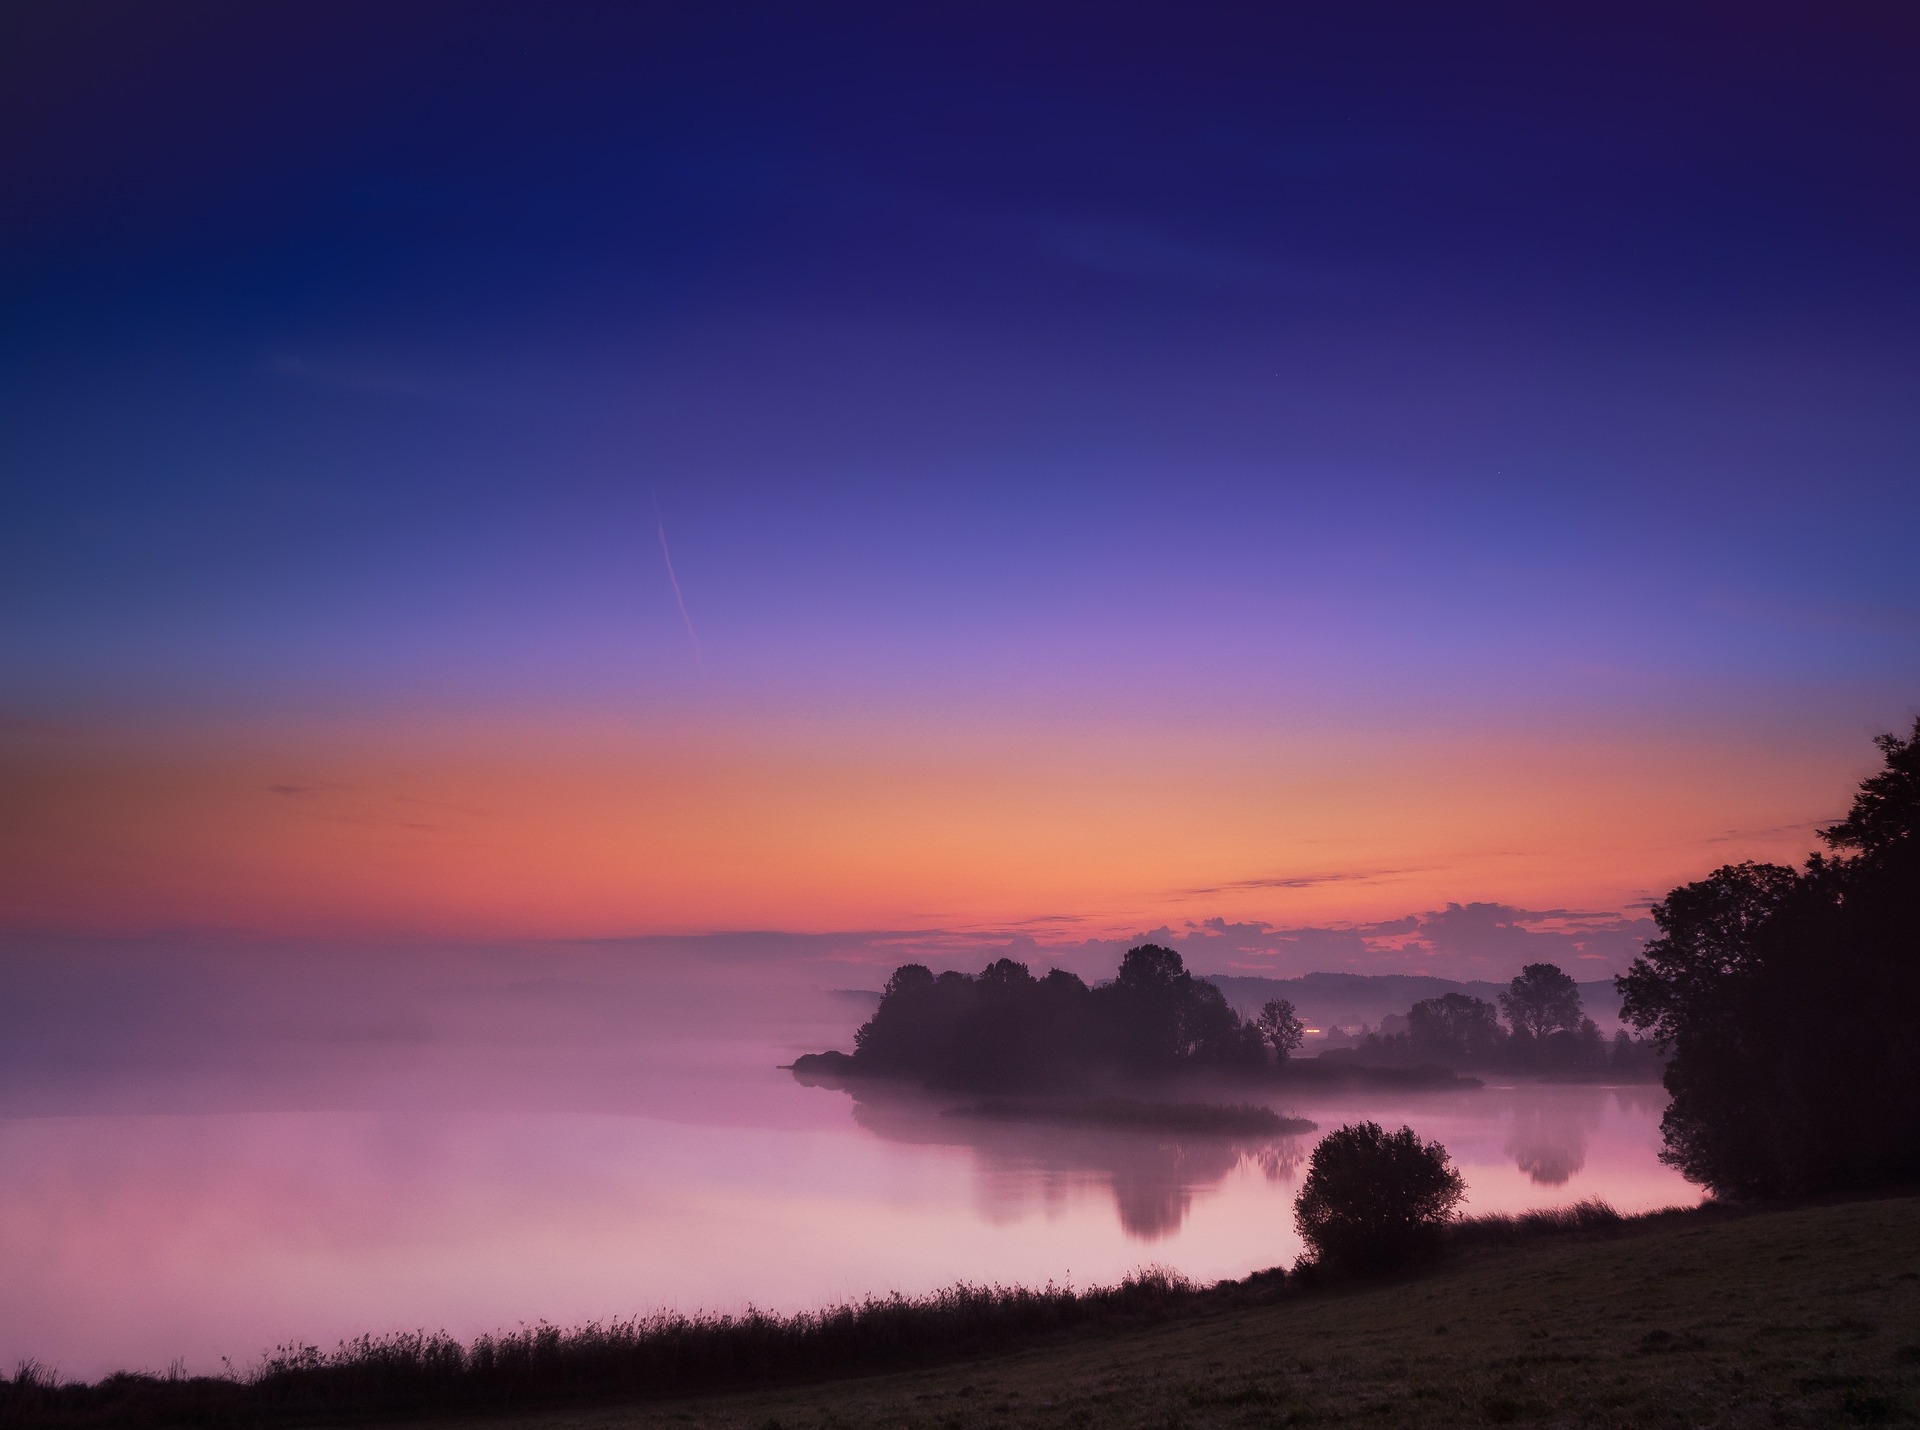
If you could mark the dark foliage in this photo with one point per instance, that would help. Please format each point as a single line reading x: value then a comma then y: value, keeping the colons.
x: 1374, y: 1199
x: 1455, y: 1029
x: 1280, y: 1025
x: 1634, y: 1058
x: 1005, y: 1030
x: 1787, y: 999
x: 1541, y: 1001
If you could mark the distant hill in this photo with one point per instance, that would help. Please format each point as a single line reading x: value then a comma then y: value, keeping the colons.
x: 1343, y: 999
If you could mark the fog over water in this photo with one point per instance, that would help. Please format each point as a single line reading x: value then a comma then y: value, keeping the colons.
x: 205, y: 1152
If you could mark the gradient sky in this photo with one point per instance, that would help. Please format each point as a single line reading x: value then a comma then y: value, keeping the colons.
x: 1123, y: 466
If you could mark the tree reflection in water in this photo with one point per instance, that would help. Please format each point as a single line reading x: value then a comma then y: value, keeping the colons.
x: 1153, y: 1177
x: 1548, y: 1140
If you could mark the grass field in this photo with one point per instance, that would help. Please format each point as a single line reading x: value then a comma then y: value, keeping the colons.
x: 1801, y: 1317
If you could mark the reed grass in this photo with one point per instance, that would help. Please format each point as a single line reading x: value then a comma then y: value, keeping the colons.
x: 415, y: 1373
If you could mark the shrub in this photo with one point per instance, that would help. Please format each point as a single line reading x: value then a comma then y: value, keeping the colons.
x: 1374, y: 1199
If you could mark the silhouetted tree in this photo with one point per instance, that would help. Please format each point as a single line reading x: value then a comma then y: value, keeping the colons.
x: 1787, y: 1001
x: 1455, y: 1028
x: 1156, y: 1015
x: 1152, y: 966
x: 1591, y: 1050
x: 896, y: 1033
x: 1281, y: 1027
x: 1541, y: 1000
x: 1141, y: 1009
x: 1374, y: 1199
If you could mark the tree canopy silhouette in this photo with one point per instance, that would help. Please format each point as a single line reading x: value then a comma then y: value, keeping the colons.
x: 1005, y: 1030
x: 1455, y: 1028
x: 1787, y: 999
x: 1542, y: 1000
x: 1281, y: 1027
x: 1374, y: 1199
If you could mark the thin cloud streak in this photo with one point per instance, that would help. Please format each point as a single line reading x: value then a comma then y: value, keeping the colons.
x: 660, y: 525
x: 1301, y: 881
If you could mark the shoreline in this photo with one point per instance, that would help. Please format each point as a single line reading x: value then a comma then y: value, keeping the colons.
x: 649, y: 1361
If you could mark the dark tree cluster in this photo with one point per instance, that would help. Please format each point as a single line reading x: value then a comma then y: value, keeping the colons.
x: 1546, y: 1031
x: 1787, y: 1000
x: 1005, y: 1030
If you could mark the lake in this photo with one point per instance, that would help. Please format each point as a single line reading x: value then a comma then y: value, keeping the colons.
x: 203, y: 1209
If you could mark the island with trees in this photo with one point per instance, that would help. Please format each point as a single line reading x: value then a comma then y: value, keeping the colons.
x: 1003, y: 1030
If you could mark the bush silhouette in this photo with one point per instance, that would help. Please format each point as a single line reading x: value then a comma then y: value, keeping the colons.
x: 1374, y: 1199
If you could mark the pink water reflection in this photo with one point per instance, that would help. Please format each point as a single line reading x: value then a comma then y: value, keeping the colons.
x: 131, y: 1240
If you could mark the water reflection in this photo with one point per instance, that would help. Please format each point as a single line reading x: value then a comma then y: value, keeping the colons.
x: 1548, y: 1141
x: 1022, y: 1167
x: 1546, y: 1133
x: 217, y: 1210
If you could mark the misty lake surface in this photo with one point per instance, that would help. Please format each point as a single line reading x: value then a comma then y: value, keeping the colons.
x: 211, y: 1212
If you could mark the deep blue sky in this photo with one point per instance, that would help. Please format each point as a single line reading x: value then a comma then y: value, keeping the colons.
x: 1530, y: 367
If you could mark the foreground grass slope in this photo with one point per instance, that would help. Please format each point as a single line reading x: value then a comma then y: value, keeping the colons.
x: 1802, y: 1317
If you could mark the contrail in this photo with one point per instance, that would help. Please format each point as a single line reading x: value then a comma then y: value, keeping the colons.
x: 679, y: 600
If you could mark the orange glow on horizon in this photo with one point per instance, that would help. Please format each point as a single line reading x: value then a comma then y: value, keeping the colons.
x: 574, y: 831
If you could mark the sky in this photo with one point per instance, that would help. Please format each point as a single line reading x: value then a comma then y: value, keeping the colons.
x: 1376, y: 486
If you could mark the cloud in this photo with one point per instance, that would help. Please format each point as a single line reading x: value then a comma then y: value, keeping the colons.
x: 1496, y: 937
x: 1473, y: 940
x: 673, y: 580
x: 1803, y: 826
x: 1470, y: 940
x: 1302, y: 881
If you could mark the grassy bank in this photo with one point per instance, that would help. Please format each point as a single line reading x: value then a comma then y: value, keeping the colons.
x: 383, y: 1378
x: 1800, y: 1317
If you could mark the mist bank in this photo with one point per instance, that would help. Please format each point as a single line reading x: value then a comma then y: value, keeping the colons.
x: 193, y: 1025
x: 208, y: 1022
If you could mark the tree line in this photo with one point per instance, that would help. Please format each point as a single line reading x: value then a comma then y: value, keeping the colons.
x: 1785, y: 998
x: 1545, y: 1029
x: 1003, y: 1029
